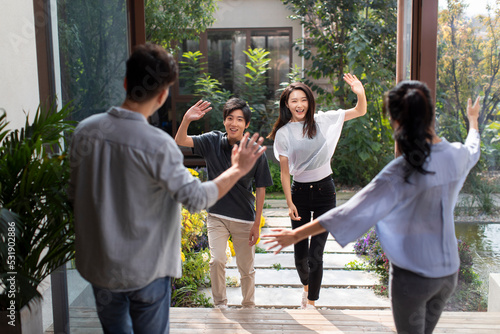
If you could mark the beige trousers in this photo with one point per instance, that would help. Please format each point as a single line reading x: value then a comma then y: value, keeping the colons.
x: 219, y: 231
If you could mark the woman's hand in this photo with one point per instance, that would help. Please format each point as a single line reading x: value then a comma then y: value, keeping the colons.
x: 356, y: 85
x: 282, y: 239
x: 473, y: 113
x: 358, y: 89
x: 293, y: 213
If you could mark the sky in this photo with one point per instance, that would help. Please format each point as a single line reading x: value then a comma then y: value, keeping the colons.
x: 475, y: 6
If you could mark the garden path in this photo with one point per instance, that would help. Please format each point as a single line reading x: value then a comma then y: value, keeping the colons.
x: 277, y: 282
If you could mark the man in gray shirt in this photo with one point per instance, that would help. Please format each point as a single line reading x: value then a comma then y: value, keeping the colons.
x: 127, y: 183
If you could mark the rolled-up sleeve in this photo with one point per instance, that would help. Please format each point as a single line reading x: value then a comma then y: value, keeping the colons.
x: 473, y: 144
x: 180, y: 184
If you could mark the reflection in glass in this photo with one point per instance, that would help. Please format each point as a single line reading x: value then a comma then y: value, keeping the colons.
x: 406, y: 48
x: 226, y: 59
x: 278, y: 44
x: 93, y: 51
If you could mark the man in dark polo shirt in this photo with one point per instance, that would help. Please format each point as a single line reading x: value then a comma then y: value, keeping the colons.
x: 238, y: 213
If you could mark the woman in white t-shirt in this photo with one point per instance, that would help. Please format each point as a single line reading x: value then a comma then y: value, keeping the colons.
x: 304, y: 143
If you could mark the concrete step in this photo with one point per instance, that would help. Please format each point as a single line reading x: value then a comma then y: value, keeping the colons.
x: 267, y: 260
x: 290, y: 278
x: 330, y: 298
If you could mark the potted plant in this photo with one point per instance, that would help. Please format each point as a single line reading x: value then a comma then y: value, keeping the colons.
x: 36, y: 230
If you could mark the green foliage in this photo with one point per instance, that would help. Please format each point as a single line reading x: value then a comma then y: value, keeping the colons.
x: 169, y: 21
x: 467, y: 295
x: 192, y: 68
x: 277, y: 266
x: 368, y: 246
x: 195, y: 261
x: 34, y: 172
x: 274, y: 168
x: 250, y: 88
x: 357, y: 265
x: 468, y: 66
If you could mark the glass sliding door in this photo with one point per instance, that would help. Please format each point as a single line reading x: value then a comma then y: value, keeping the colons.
x: 93, y: 49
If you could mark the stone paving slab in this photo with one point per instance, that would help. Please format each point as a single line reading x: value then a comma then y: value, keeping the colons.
x: 267, y: 260
x: 291, y: 297
x: 331, y: 278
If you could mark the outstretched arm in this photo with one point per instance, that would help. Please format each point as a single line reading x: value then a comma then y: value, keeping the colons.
x: 284, y: 238
x: 193, y: 114
x: 358, y: 89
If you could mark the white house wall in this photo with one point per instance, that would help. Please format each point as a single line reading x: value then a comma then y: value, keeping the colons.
x: 18, y: 61
x: 257, y: 14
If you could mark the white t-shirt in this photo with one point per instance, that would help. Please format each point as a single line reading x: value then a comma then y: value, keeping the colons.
x: 309, y: 159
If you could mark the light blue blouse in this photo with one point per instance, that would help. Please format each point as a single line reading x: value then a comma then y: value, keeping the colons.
x: 414, y: 221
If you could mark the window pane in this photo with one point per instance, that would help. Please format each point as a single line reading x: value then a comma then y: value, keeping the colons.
x: 277, y: 42
x: 93, y: 50
x: 226, y: 60
x: 187, y: 46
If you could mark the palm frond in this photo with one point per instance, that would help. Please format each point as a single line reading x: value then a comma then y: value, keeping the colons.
x: 33, y: 174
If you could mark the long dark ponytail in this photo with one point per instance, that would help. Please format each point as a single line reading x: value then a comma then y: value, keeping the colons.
x: 410, y: 105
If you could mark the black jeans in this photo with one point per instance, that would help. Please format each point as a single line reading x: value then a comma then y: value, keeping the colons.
x: 316, y: 198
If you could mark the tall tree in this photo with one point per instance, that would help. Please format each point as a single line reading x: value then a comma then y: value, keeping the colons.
x: 468, y: 66
x: 170, y: 21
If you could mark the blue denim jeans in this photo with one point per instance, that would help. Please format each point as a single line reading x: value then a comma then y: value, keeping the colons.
x: 316, y: 198
x: 140, y: 311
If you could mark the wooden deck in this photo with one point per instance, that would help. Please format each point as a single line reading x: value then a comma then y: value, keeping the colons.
x: 288, y: 321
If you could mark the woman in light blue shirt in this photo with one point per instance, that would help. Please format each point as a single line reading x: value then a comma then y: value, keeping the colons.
x: 411, y: 203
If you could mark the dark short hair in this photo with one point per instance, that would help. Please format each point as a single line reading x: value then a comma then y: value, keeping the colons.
x: 235, y: 103
x: 150, y: 69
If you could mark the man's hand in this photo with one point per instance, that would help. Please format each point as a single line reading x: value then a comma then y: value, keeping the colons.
x: 247, y: 152
x: 254, y: 235
x: 197, y: 111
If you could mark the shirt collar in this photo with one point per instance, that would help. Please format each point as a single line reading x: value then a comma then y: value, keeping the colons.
x: 126, y: 114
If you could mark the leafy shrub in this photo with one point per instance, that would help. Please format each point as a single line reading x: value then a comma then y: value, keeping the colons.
x: 195, y: 261
x: 274, y: 168
x: 368, y: 246
x: 467, y: 295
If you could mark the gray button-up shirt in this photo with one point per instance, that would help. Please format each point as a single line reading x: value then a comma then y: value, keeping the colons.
x: 414, y: 221
x: 127, y: 180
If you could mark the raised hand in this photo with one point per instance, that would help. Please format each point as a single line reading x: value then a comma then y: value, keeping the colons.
x: 473, y: 113
x: 197, y: 111
x: 356, y: 85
